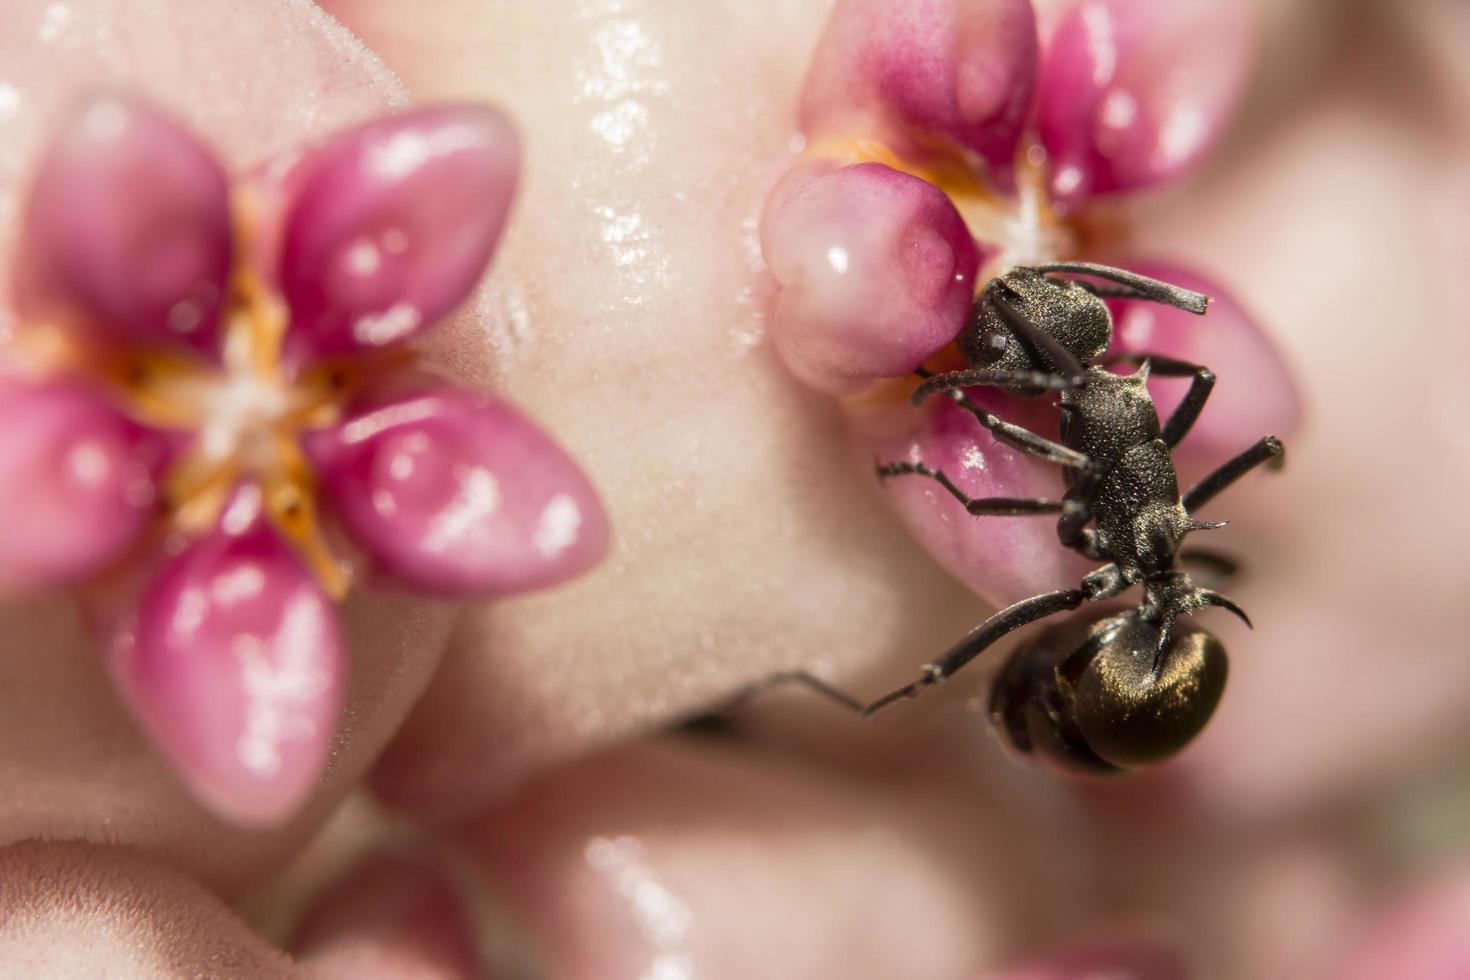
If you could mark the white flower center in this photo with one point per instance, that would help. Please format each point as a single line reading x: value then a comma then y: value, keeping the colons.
x: 243, y: 409
x: 1023, y: 228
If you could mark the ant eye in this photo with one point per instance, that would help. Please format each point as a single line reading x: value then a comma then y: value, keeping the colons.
x: 993, y: 345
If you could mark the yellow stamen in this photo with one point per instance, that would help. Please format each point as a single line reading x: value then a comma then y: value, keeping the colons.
x: 884, y: 392
x: 943, y: 171
x: 160, y: 389
x: 290, y: 505
x: 197, y: 488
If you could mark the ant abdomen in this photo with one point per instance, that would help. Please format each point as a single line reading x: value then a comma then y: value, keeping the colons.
x: 1086, y: 697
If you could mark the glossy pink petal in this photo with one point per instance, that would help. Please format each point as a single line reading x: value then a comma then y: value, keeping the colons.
x: 1132, y: 92
x: 925, y: 75
x: 77, y: 484
x: 455, y: 493
x: 127, y: 230
x: 1254, y: 393
x: 389, y: 226
x: 233, y: 663
x: 876, y: 270
x: 1002, y: 558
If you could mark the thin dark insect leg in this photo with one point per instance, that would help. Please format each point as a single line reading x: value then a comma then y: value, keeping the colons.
x: 802, y: 677
x: 1060, y: 357
x: 1023, y: 439
x: 1076, y: 512
x: 1143, y: 286
x: 1072, y: 528
x: 1014, y: 435
x: 994, y: 506
x: 1186, y: 413
x: 936, y: 672
x: 1267, y: 449
x: 978, y: 640
x: 950, y: 380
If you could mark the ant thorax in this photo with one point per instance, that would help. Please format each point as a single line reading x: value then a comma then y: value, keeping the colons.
x: 1109, y: 414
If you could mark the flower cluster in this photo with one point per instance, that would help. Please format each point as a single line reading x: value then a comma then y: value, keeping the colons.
x: 211, y: 424
x: 946, y: 141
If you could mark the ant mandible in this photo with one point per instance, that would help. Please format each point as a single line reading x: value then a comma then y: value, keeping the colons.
x: 1122, y: 689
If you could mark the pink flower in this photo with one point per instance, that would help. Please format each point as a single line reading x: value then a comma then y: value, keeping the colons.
x: 946, y: 141
x: 211, y: 423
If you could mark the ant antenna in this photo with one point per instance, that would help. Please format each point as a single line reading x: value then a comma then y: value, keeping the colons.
x: 1134, y: 285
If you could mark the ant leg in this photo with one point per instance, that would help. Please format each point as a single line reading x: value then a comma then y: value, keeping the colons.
x: 1186, y: 413
x: 995, y: 506
x: 1012, y: 435
x: 1072, y: 528
x: 950, y: 380
x: 979, y: 639
x: 1268, y: 449
x: 1021, y: 438
x: 802, y: 677
x: 937, y: 671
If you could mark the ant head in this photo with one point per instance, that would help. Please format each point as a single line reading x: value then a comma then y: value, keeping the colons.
x: 1101, y: 697
x: 1019, y: 320
x: 1025, y: 321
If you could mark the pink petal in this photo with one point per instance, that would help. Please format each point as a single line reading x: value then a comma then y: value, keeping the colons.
x: 77, y: 483
x: 455, y: 493
x: 1254, y: 393
x: 233, y: 663
x: 1425, y: 936
x: 1002, y: 558
x: 127, y: 230
x: 925, y: 75
x: 388, y: 226
x: 877, y: 272
x: 1133, y: 92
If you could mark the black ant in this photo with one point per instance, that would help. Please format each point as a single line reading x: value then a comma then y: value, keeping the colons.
x: 1126, y: 688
